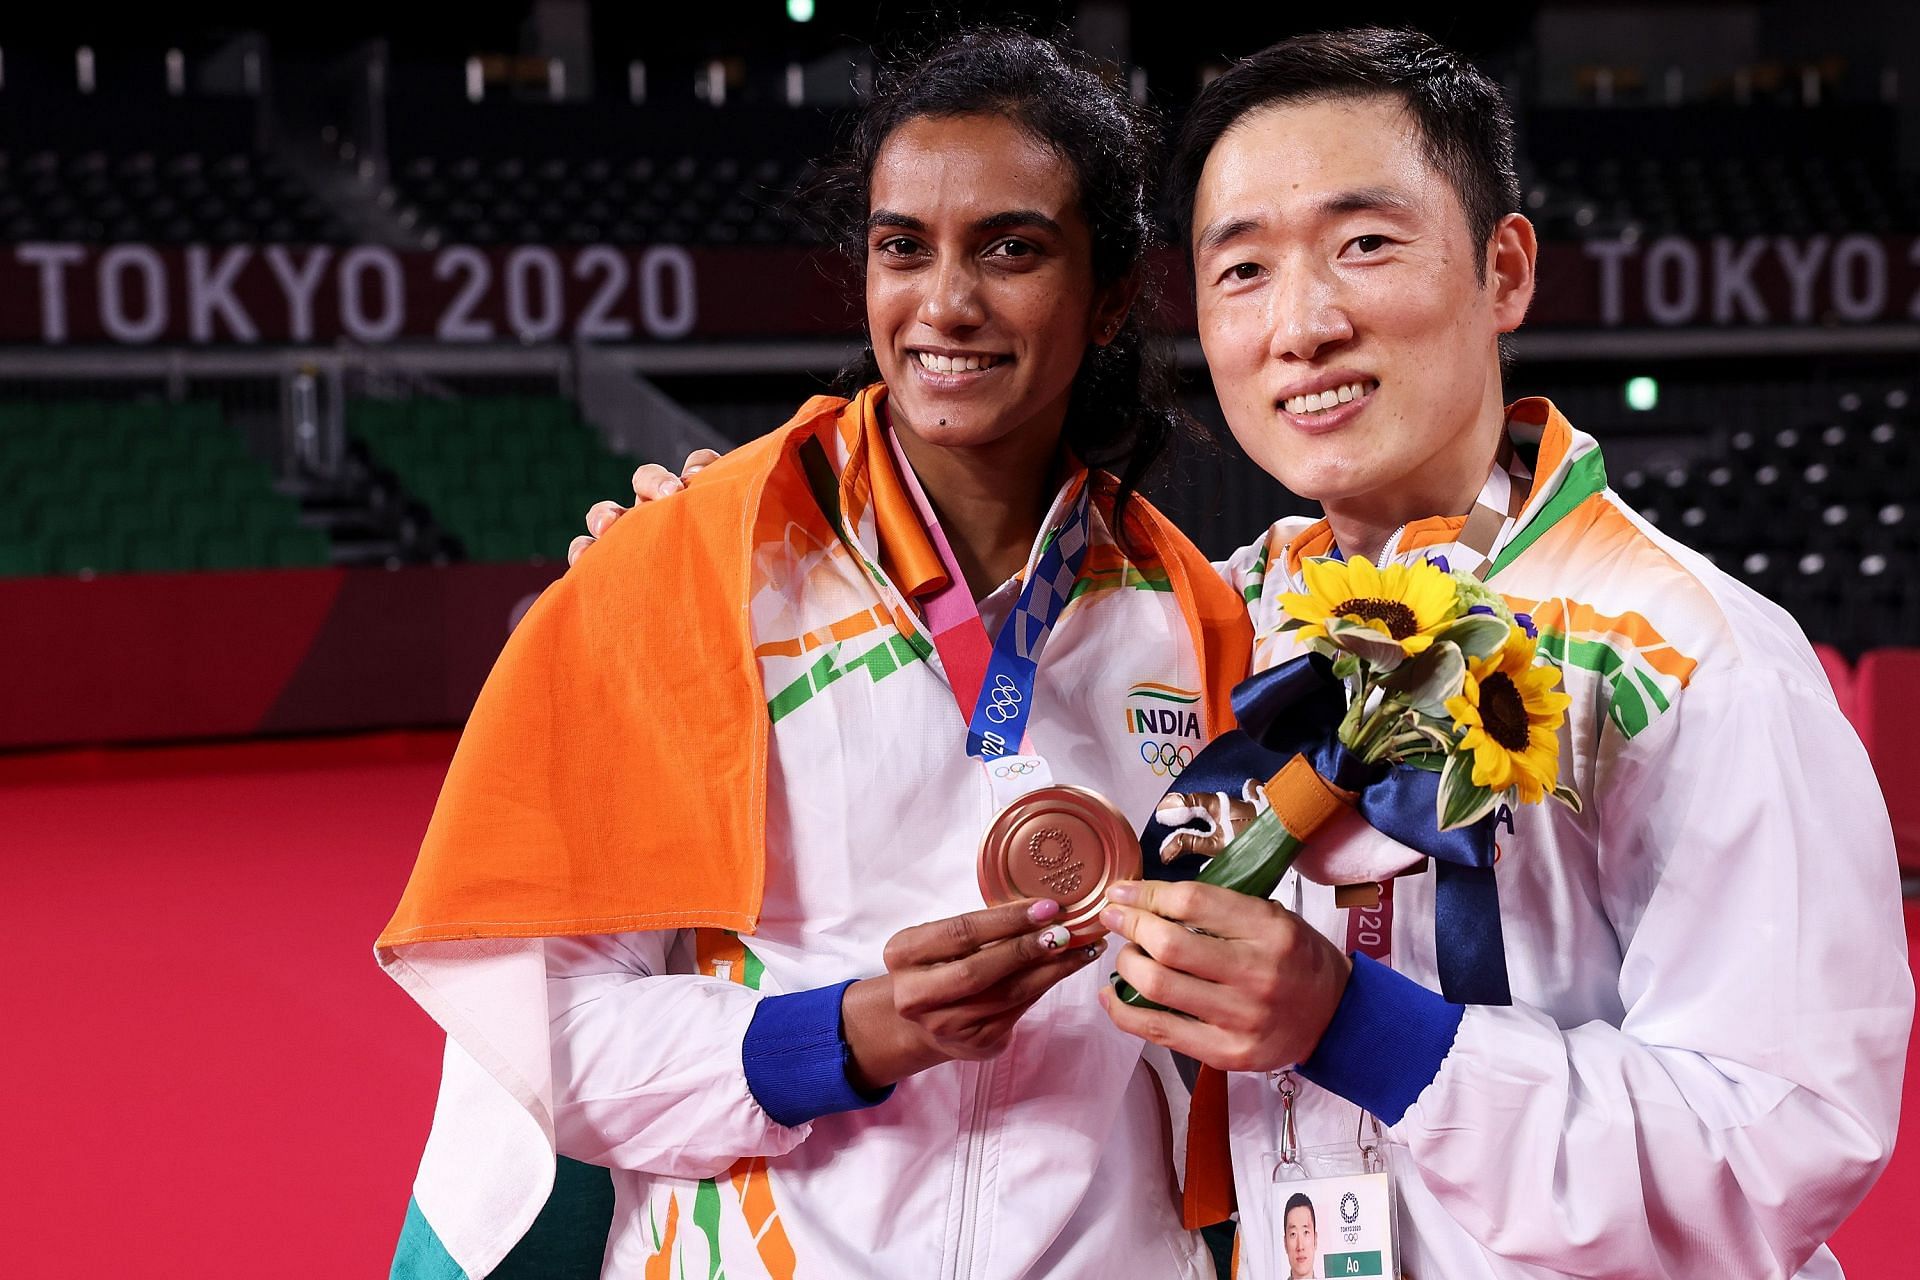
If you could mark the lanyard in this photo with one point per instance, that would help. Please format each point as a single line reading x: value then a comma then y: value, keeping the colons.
x: 993, y: 682
x: 1500, y: 500
x: 1370, y: 929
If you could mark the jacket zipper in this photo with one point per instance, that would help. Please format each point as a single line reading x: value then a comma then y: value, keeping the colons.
x: 1387, y: 548
x: 973, y: 1157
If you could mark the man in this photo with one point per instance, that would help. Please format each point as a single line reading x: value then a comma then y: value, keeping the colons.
x: 1699, y: 1071
x: 1302, y: 1239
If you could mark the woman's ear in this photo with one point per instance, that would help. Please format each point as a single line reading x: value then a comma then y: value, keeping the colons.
x: 1113, y: 306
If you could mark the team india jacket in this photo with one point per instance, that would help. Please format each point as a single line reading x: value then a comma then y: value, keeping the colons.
x: 1699, y: 1074
x: 622, y: 1016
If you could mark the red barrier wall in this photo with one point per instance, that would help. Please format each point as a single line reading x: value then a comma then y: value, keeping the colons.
x: 152, y: 657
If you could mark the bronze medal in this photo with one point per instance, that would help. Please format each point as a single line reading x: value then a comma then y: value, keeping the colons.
x: 1060, y: 842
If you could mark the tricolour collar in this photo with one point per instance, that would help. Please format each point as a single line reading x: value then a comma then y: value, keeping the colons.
x: 1560, y: 466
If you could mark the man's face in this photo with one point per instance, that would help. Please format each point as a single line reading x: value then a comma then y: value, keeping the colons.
x: 1331, y: 259
x: 1302, y: 1241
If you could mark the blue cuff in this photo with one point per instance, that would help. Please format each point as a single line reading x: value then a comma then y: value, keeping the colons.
x: 796, y: 1057
x: 1386, y: 1041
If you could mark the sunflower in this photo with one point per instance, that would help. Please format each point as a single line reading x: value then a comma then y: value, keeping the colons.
x: 1512, y: 714
x: 1408, y: 603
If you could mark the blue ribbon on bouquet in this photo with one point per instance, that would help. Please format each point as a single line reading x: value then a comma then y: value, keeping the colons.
x: 1296, y: 708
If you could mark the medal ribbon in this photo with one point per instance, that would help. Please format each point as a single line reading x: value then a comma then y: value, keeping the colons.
x: 993, y: 682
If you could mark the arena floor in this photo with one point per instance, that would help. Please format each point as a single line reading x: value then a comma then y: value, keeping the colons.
x: 197, y: 1036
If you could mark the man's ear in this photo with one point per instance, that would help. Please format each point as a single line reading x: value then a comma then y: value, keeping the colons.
x: 1511, y: 255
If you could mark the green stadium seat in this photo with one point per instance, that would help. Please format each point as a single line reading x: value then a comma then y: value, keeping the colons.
x: 507, y: 477
x: 100, y: 553
x: 299, y: 548
x: 160, y: 552
x: 438, y: 416
x: 17, y: 517
x: 23, y: 559
x: 549, y: 415
x: 20, y: 416
x: 196, y: 415
x: 230, y: 551
x: 67, y: 416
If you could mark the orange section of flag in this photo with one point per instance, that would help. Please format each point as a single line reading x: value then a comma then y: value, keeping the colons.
x: 847, y: 628
x: 1576, y: 619
x: 751, y: 1181
x: 1207, y: 1197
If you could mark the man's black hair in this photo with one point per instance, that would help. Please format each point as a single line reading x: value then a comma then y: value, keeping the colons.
x: 1465, y: 126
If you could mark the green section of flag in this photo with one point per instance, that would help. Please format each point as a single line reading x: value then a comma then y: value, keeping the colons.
x: 568, y: 1240
x: 1137, y: 692
x: 420, y: 1255
x: 706, y: 1216
x: 1367, y: 1263
x: 1627, y: 708
x: 1116, y: 579
x: 1256, y: 576
x: 1586, y: 477
x: 892, y: 654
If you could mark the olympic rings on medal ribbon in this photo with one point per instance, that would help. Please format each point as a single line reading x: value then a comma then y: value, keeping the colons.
x: 1166, y: 757
x: 1005, y: 701
x: 1014, y: 769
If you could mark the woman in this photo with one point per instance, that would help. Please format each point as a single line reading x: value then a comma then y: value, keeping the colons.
x: 759, y: 715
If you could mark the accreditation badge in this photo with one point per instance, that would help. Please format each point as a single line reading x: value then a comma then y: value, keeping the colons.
x: 1333, y: 1211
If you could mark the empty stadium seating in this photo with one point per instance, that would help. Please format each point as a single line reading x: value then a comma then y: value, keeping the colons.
x: 505, y: 477
x: 1821, y: 516
x: 94, y: 196
x: 134, y: 162
x: 110, y: 487
x: 1728, y: 195
x: 601, y: 171
x: 555, y: 200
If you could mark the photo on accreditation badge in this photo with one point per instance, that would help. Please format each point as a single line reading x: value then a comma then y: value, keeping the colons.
x: 1337, y: 1226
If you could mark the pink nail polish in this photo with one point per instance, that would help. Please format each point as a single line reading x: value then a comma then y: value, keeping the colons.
x: 1043, y: 910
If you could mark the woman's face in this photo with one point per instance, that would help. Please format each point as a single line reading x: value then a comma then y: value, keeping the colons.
x: 981, y: 300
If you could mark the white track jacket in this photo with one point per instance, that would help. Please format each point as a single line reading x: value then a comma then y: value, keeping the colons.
x: 1700, y: 1072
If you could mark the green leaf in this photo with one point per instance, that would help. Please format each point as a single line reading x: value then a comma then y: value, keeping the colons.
x: 1568, y: 797
x: 1427, y: 680
x: 1375, y: 648
x: 1478, y: 635
x: 1346, y: 666
x: 1431, y: 761
x: 1462, y: 804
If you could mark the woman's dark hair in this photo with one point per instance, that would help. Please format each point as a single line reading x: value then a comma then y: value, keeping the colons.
x: 1466, y: 128
x: 1123, y: 411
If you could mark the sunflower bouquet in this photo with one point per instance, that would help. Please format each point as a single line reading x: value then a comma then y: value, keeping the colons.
x: 1438, y: 675
x: 1441, y: 675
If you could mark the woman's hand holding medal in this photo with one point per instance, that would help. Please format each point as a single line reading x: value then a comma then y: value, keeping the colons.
x: 1256, y: 984
x: 954, y: 988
